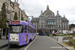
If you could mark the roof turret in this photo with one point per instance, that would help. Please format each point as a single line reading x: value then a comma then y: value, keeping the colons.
x: 41, y: 14
x: 47, y: 6
x: 58, y: 14
x: 64, y: 19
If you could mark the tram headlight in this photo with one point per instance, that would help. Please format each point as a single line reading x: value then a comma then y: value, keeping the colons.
x: 13, y: 37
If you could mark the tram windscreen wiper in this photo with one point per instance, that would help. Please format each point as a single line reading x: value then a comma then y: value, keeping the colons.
x: 15, y: 29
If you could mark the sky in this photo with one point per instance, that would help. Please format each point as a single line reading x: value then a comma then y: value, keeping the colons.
x: 34, y: 7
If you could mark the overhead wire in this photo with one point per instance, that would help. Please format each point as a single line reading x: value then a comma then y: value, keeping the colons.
x: 26, y: 10
x: 24, y: 7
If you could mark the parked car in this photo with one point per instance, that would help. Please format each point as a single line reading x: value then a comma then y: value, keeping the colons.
x: 57, y: 32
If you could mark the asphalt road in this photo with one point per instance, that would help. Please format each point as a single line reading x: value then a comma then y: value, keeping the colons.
x: 39, y: 43
x: 44, y: 43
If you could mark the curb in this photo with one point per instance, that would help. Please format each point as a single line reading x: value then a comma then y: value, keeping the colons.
x: 68, y: 48
x: 3, y: 46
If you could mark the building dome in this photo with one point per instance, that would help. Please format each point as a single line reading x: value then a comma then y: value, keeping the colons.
x: 48, y: 11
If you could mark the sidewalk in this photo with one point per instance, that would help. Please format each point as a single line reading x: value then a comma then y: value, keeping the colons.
x: 59, y: 40
x: 3, y: 41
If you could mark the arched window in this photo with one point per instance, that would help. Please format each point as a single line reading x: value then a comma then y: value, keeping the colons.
x: 48, y: 15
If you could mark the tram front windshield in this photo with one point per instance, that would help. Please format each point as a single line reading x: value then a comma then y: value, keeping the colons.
x: 15, y: 28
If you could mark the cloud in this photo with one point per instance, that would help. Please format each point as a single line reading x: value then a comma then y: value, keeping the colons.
x: 70, y: 11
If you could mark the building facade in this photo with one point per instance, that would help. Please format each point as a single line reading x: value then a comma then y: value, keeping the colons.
x: 72, y: 28
x: 48, y: 21
x: 11, y: 8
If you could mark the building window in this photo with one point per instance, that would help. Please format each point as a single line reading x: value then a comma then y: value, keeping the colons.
x: 52, y: 23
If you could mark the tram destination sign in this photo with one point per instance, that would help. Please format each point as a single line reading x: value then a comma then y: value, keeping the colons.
x: 15, y: 22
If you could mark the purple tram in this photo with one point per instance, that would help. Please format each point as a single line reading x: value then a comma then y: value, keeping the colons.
x: 20, y: 32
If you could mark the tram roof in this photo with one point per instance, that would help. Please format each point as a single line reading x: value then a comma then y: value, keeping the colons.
x: 21, y: 22
x: 30, y: 24
x: 18, y: 22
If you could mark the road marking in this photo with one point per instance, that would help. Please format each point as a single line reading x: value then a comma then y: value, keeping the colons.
x: 52, y: 39
x: 30, y: 43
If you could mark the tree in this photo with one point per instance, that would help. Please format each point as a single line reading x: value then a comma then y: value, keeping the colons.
x: 22, y: 18
x: 15, y: 16
x: 0, y: 19
x: 3, y: 16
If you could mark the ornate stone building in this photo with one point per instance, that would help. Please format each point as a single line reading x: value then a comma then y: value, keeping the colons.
x: 11, y: 8
x: 49, y: 21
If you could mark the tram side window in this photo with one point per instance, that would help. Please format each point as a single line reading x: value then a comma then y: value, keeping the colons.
x: 28, y: 29
x: 25, y: 29
x: 34, y: 31
x: 31, y: 30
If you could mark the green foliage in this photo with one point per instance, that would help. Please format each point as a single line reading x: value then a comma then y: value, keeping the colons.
x: 15, y: 16
x: 3, y: 17
x: 54, y: 34
x: 1, y: 23
x: 22, y: 18
x: 66, y: 35
x: 26, y: 21
x: 70, y: 42
x: 3, y: 10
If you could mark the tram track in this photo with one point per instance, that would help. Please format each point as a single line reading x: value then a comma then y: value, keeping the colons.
x: 13, y: 47
x: 10, y: 48
x: 3, y: 46
x: 6, y: 47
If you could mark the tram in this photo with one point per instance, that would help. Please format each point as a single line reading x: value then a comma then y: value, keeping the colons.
x: 20, y: 32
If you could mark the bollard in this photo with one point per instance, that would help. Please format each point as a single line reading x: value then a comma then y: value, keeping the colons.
x: 57, y: 39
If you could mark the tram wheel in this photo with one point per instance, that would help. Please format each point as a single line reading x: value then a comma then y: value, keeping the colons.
x: 30, y: 40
